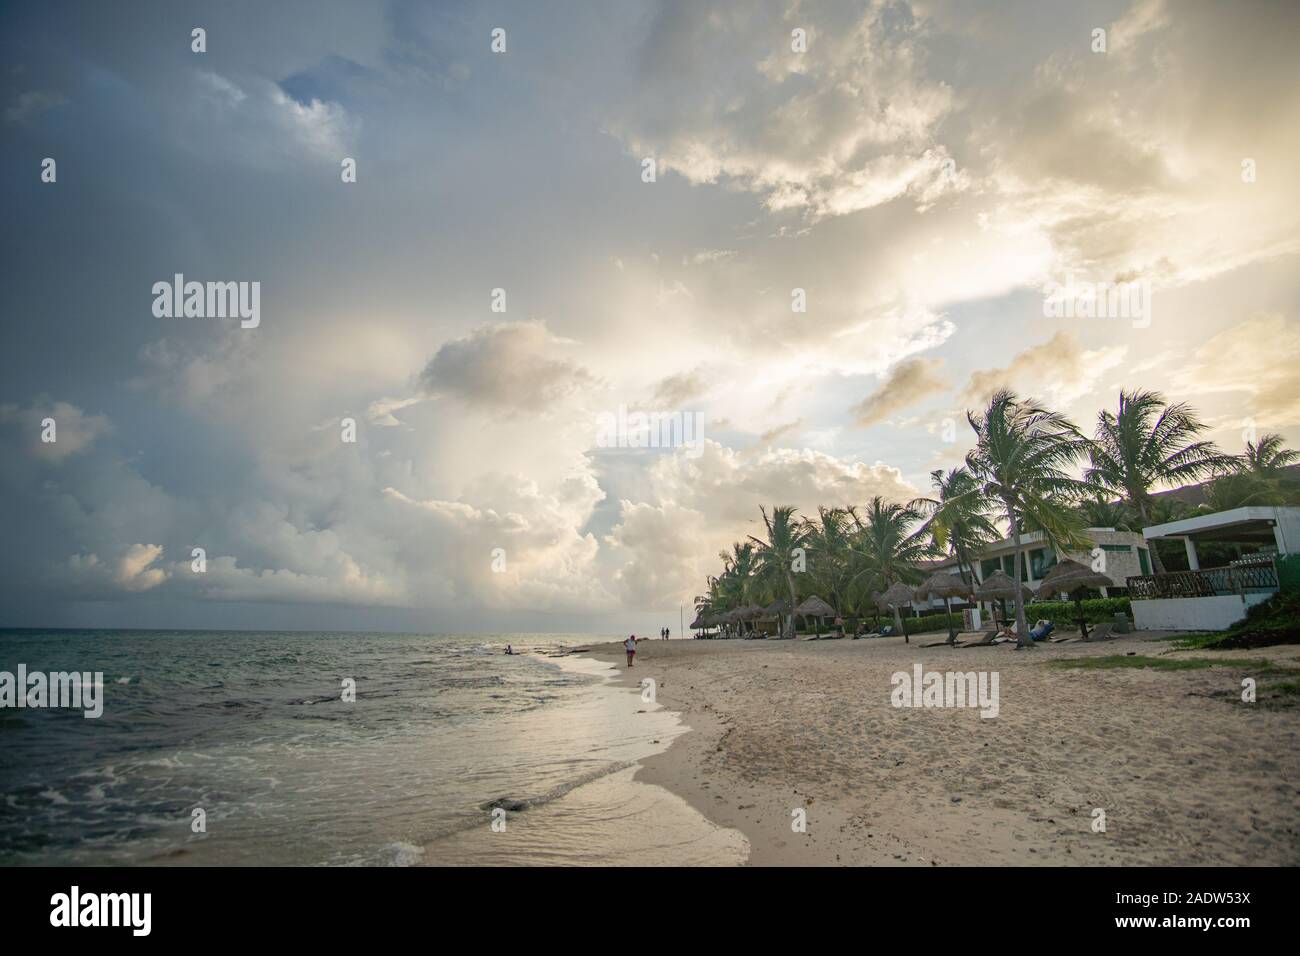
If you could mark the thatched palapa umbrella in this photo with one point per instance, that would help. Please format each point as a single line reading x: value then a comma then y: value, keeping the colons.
x: 1072, y: 578
x: 947, y: 586
x: 728, y: 619
x: 999, y: 586
x: 777, y: 609
x: 895, y: 597
x: 815, y: 606
x: 749, y: 612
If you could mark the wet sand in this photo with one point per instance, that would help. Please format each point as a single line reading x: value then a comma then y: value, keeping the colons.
x: 1184, y: 771
x: 601, y: 815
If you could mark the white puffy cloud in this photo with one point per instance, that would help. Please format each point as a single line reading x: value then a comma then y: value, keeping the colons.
x: 73, y: 430
x: 519, y: 366
x: 132, y: 570
x: 251, y: 120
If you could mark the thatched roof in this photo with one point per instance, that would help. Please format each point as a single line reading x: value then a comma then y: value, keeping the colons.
x: 749, y: 612
x: 777, y: 607
x: 815, y: 607
x: 1000, y: 585
x: 697, y: 624
x: 1071, y: 576
x: 944, y: 585
x: 897, y: 595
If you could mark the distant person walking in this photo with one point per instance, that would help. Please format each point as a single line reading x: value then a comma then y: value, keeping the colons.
x: 630, y: 646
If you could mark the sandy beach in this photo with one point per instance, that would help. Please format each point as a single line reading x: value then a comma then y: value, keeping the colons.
x: 1184, y: 771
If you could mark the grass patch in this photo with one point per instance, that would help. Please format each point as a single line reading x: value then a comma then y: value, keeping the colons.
x: 1255, y: 667
x: 1137, y: 661
x: 1194, y: 642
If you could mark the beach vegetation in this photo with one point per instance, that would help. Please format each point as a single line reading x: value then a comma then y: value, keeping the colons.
x: 1272, y: 622
x: 1030, y: 470
x: 1021, y: 460
x: 1147, y: 443
x: 775, y: 555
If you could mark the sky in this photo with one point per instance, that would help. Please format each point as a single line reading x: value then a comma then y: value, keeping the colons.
x: 504, y: 275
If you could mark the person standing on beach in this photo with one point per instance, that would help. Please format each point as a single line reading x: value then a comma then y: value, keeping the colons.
x: 630, y: 646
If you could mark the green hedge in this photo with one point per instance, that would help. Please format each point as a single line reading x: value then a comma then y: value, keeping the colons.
x: 1288, y: 572
x: 1095, y: 611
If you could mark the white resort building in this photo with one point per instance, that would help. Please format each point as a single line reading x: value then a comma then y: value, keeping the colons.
x: 1213, y: 599
x: 1119, y: 555
x: 1199, y: 599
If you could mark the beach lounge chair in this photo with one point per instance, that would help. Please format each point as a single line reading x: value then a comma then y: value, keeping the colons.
x: 977, y: 638
x: 1102, y: 632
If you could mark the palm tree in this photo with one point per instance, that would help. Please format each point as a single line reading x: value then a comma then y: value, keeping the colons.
x: 736, y: 583
x: 1149, y: 442
x: 957, y: 518
x: 887, y: 548
x: 1239, y: 489
x: 775, y: 556
x: 1267, y: 458
x: 1101, y: 512
x: 711, y: 602
x: 829, y: 543
x: 1021, y: 456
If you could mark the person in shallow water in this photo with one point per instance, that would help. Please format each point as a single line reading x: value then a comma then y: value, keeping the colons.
x: 509, y: 649
x: 630, y: 646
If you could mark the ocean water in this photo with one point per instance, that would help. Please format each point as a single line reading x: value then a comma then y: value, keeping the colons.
x: 252, y: 729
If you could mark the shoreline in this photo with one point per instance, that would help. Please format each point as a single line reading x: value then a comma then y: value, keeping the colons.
x: 1183, y: 773
x: 606, y: 816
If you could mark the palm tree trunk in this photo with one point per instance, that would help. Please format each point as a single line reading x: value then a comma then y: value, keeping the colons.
x: 961, y: 566
x: 898, y: 623
x: 794, y: 602
x: 1022, y: 629
x: 1157, y: 566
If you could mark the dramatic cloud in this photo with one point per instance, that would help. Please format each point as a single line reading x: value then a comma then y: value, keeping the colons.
x: 844, y: 125
x: 908, y: 382
x: 131, y: 571
x: 1146, y: 161
x: 1256, y: 360
x: 1059, y: 370
x: 516, y: 366
x: 832, y: 236
x: 259, y: 124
